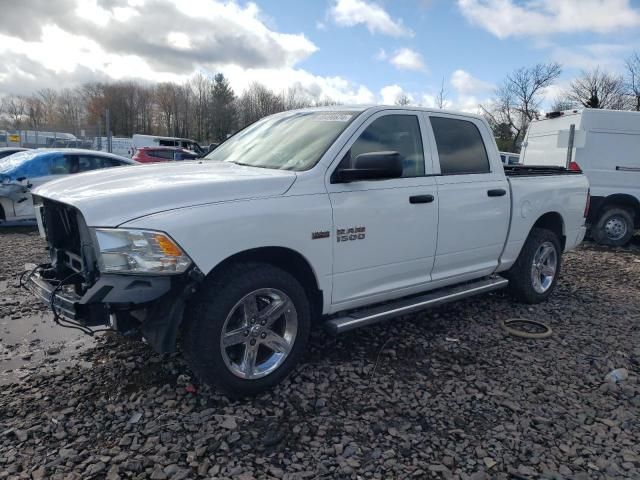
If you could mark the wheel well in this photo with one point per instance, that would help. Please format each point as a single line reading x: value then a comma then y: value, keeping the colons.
x: 552, y: 221
x: 2, y: 214
x: 622, y: 200
x: 286, y: 259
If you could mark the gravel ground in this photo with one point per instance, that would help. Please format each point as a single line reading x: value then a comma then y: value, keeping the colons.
x: 444, y: 394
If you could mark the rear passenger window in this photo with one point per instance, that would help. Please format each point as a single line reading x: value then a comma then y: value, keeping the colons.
x: 399, y: 133
x: 460, y: 146
x: 164, y: 154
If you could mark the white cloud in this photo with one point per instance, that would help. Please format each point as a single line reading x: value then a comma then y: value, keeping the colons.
x: 407, y: 59
x: 315, y: 86
x: 349, y: 13
x: 588, y: 57
x: 466, y: 84
x: 381, y: 56
x: 390, y: 94
x: 508, y: 18
x: 179, y: 40
x: 226, y: 37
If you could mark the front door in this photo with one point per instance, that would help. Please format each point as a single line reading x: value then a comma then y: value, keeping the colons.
x: 384, y: 230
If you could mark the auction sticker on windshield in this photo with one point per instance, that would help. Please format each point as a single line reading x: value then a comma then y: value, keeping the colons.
x: 333, y: 117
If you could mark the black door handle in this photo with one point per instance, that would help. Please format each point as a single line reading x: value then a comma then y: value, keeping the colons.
x: 421, y: 199
x: 497, y: 192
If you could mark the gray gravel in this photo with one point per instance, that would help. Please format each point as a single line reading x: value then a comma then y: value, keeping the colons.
x: 445, y: 394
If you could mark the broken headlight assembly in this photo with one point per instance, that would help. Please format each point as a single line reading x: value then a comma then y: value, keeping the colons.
x: 139, y: 251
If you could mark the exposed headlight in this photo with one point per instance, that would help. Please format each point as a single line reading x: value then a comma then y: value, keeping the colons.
x: 139, y: 251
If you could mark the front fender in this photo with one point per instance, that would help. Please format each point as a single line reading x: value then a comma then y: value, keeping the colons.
x: 210, y: 234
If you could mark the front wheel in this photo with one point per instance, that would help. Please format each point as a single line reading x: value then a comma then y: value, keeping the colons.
x: 533, y: 277
x: 247, y: 328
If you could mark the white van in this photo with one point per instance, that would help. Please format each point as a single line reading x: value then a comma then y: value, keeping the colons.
x: 509, y: 158
x: 139, y: 140
x: 606, y: 146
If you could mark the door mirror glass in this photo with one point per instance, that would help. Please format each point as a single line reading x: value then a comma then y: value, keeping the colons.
x: 373, y: 166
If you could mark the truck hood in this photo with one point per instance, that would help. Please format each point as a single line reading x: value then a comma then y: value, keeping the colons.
x: 110, y: 197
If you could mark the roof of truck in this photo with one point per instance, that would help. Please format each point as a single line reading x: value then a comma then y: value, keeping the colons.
x: 376, y: 108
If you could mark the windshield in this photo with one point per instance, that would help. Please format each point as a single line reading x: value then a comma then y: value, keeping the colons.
x: 289, y: 141
x: 10, y: 163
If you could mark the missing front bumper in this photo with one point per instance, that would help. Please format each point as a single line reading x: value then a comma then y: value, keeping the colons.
x: 153, y: 304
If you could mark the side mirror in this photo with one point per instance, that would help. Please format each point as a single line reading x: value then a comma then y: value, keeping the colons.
x: 372, y: 166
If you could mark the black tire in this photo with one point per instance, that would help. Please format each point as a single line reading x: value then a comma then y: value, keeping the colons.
x: 602, y: 233
x: 521, y: 283
x: 205, y: 318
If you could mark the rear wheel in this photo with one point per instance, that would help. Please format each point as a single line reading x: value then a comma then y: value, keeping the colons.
x: 247, y: 328
x: 614, y: 227
x: 533, y: 277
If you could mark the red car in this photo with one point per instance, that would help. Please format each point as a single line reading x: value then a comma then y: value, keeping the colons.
x: 162, y: 154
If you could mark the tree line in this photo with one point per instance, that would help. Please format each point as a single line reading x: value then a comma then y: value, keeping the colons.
x: 204, y: 108
x: 518, y: 99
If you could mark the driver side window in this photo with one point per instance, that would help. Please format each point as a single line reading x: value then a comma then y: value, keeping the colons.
x: 397, y: 133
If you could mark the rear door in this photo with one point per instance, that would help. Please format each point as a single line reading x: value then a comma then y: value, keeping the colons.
x: 474, y: 199
x: 384, y: 235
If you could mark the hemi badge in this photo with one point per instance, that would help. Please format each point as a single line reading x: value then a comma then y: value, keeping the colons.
x: 318, y: 235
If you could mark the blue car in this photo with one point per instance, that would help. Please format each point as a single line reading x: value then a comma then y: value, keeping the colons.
x: 22, y: 171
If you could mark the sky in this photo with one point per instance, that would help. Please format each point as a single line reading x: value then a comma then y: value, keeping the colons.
x: 353, y: 51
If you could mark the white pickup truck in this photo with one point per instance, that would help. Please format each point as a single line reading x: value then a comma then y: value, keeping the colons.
x: 345, y: 216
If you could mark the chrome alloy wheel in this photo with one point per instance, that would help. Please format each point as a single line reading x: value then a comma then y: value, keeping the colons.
x: 544, y: 268
x: 615, y: 228
x: 259, y: 333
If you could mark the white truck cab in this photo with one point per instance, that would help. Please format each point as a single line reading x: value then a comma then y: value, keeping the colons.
x: 343, y: 216
x: 606, y: 146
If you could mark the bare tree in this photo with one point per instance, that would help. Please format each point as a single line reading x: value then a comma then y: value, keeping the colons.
x: 597, y: 89
x: 441, y: 98
x: 517, y: 101
x: 633, y: 80
x: 70, y: 110
x: 49, y: 98
x: 257, y: 102
x: 294, y: 98
x: 403, y: 99
x: 562, y: 103
x: 15, y: 107
x: 35, y: 112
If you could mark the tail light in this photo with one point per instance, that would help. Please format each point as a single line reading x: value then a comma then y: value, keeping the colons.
x: 588, y: 204
x: 574, y: 167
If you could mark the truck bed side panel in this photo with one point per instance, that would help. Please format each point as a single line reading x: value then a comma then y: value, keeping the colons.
x: 534, y: 196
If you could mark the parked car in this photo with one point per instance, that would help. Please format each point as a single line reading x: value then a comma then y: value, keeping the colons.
x: 140, y: 141
x: 6, y: 151
x: 509, y: 158
x: 22, y: 171
x: 163, y: 154
x: 606, y: 146
x: 346, y: 216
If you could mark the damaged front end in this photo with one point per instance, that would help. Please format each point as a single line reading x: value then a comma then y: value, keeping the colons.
x: 125, y: 280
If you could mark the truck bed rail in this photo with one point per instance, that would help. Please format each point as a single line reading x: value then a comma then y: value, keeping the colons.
x: 537, y: 170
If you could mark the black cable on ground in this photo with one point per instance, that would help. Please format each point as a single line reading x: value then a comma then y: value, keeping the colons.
x: 508, y: 326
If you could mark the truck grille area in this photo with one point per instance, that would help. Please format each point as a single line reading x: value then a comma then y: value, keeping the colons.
x: 61, y: 226
x: 70, y: 245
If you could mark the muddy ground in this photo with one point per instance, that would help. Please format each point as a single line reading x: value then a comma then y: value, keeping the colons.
x: 442, y: 394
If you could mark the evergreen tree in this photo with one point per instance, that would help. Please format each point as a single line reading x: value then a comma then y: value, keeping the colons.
x: 223, y: 109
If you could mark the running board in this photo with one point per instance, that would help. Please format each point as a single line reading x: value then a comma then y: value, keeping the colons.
x: 369, y: 316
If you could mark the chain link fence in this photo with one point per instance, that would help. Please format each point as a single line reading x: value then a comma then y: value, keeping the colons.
x: 90, y: 137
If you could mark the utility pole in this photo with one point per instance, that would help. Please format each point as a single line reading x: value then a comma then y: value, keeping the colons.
x: 108, y: 131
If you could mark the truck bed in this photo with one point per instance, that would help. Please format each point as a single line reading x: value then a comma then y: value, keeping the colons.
x: 537, y: 170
